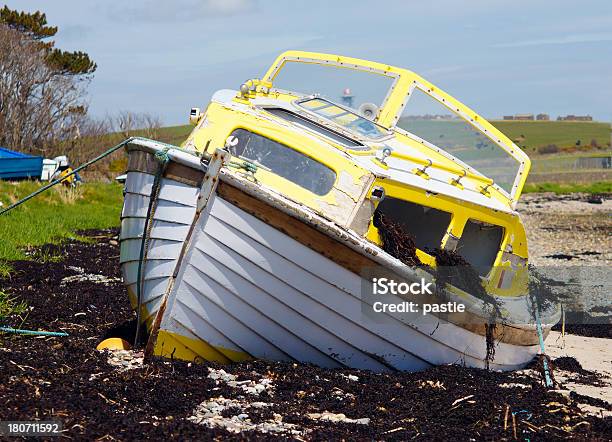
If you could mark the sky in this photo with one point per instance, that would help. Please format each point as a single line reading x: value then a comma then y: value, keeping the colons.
x: 498, y: 57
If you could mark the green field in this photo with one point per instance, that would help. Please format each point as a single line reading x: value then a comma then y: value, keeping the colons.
x: 53, y: 215
x: 531, y: 135
x: 173, y: 134
x: 604, y: 187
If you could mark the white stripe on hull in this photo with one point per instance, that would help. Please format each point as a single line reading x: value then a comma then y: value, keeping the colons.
x: 135, y: 205
x: 132, y: 228
x: 173, y: 191
x: 169, y: 228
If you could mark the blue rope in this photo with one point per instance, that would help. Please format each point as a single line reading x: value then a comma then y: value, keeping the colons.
x: 542, y: 348
x: 18, y: 331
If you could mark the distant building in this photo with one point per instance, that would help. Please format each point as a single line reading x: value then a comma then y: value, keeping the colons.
x: 523, y: 117
x: 508, y: 117
x: 543, y: 117
x: 347, y: 97
x: 430, y: 117
x: 575, y: 118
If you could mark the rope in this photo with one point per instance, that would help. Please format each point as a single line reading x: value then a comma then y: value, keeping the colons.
x: 246, y: 165
x: 542, y: 348
x: 18, y: 331
x: 59, y: 180
x: 163, y: 159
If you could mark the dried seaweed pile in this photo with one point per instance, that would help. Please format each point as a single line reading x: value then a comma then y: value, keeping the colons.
x: 395, y: 240
x: 540, y: 289
x: 66, y: 379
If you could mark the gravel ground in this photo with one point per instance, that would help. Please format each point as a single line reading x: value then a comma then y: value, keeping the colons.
x: 570, y: 241
x: 567, y: 230
x: 113, y: 395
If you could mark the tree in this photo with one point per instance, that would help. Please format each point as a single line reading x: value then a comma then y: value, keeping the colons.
x: 34, y: 26
x: 42, y: 88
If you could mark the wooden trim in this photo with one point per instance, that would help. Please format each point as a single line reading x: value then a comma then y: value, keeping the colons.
x: 140, y: 161
x: 296, y: 229
x: 183, y: 174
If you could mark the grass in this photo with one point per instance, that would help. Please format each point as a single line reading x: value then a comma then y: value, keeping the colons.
x: 592, y: 188
x: 9, y: 306
x: 175, y: 134
x: 53, y: 216
x: 534, y: 134
x: 562, y: 162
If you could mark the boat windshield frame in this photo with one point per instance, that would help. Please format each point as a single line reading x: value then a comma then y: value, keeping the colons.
x: 403, y: 84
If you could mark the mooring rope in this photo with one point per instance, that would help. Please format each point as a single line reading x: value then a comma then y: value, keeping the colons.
x: 163, y: 158
x: 246, y: 165
x: 59, y: 180
x: 542, y: 348
x: 18, y: 331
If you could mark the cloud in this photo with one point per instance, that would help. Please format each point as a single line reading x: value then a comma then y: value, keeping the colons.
x: 228, y: 7
x: 442, y: 70
x: 74, y: 32
x: 562, y: 40
x: 177, y: 10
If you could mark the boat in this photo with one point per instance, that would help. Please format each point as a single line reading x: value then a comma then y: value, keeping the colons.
x: 18, y: 166
x: 260, y: 236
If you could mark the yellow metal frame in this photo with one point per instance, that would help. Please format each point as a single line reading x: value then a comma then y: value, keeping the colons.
x: 404, y: 83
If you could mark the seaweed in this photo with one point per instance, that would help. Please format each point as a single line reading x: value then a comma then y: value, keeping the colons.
x: 451, y: 268
x: 395, y: 240
x: 540, y: 292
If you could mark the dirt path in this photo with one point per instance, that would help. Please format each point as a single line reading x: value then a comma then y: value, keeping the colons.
x: 113, y: 396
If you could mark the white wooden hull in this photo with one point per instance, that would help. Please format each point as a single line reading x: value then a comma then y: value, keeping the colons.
x: 238, y: 287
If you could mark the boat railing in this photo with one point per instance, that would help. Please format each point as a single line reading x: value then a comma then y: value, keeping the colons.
x: 461, y: 172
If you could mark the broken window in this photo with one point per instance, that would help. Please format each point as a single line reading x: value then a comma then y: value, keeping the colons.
x: 283, y: 161
x: 479, y: 244
x: 426, y: 224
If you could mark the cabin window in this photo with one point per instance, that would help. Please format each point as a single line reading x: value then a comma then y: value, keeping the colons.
x: 426, y: 224
x: 347, y: 119
x: 283, y: 161
x: 479, y: 244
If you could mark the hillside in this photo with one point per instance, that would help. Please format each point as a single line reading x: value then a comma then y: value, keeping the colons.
x: 556, y: 167
x: 530, y: 134
x: 564, y: 134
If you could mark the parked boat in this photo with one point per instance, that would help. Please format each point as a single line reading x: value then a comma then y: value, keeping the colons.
x: 258, y: 237
x: 18, y: 165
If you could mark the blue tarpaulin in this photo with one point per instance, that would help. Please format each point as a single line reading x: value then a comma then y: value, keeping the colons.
x: 17, y: 165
